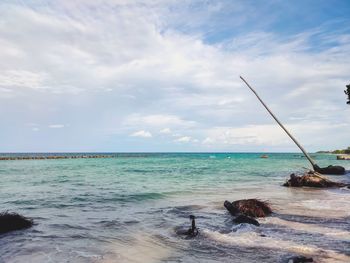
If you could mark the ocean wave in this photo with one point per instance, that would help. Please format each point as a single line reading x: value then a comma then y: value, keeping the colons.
x: 255, y: 240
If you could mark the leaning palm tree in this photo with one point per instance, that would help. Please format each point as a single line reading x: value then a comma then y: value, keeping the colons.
x: 327, y: 170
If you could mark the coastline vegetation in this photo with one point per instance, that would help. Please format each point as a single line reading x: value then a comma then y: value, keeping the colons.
x: 343, y: 151
x: 347, y: 92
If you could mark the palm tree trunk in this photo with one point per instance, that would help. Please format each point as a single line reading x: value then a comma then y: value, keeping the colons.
x: 314, y: 165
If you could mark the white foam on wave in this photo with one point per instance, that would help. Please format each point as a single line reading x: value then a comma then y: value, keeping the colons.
x: 313, y: 228
x: 253, y: 239
x: 317, y: 203
x: 336, y: 205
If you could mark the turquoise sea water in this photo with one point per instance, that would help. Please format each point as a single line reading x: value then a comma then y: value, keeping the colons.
x: 125, y: 209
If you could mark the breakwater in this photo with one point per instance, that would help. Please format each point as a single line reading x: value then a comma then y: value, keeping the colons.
x: 48, y: 157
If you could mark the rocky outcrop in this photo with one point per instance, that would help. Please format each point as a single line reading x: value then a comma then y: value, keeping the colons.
x: 13, y: 221
x: 311, y: 179
x: 343, y: 157
x: 331, y: 169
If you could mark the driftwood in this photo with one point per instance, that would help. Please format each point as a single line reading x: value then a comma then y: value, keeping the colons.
x: 188, y: 232
x: 13, y: 221
x: 248, y: 207
x: 311, y: 179
x: 327, y: 170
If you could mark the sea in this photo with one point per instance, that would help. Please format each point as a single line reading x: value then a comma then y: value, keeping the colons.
x: 127, y: 208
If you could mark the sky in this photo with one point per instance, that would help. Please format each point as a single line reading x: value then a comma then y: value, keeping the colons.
x: 163, y: 75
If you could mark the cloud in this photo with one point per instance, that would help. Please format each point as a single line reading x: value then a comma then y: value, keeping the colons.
x: 142, y: 134
x: 158, y: 120
x: 114, y: 67
x: 165, y: 131
x: 271, y: 136
x: 183, y: 139
x: 21, y: 79
x: 252, y: 134
x: 56, y: 126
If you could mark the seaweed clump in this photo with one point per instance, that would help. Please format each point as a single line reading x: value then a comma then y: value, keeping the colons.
x: 13, y: 221
x: 311, y: 179
x: 249, y: 207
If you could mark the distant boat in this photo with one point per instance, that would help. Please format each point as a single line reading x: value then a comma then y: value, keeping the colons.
x: 264, y: 156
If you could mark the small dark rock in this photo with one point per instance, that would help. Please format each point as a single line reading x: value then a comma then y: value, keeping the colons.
x: 233, y: 210
x: 13, y: 221
x: 300, y: 259
x: 246, y: 219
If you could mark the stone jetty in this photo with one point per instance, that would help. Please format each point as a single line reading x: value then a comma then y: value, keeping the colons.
x: 50, y: 157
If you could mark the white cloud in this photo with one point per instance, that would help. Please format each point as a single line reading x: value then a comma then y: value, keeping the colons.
x: 271, y: 136
x: 21, y: 79
x: 142, y: 134
x: 162, y: 72
x: 252, y: 134
x: 165, y: 131
x: 157, y: 120
x: 56, y: 126
x: 183, y: 139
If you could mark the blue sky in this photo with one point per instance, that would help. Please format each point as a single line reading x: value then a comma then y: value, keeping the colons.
x: 127, y: 76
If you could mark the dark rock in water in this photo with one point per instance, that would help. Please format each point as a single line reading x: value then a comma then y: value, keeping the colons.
x: 246, y: 219
x: 13, y: 221
x: 311, y: 179
x: 249, y: 207
x: 300, y: 259
x: 233, y: 210
x: 188, y: 232
x: 331, y: 169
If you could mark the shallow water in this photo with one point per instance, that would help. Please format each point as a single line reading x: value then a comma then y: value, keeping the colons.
x: 125, y: 209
